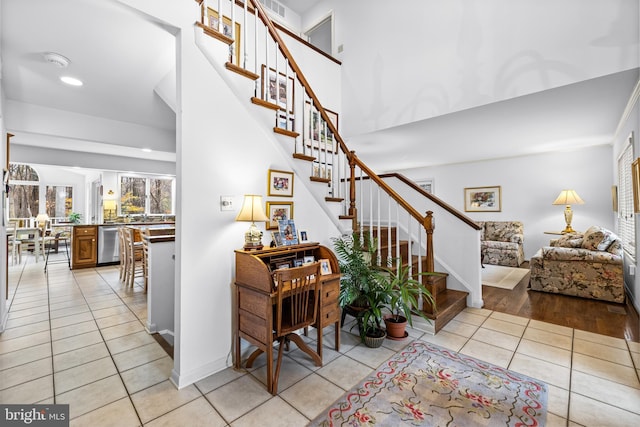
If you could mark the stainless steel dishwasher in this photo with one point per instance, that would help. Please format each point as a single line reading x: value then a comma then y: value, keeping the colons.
x: 108, y: 248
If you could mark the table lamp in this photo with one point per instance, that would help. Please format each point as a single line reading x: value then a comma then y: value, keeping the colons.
x: 568, y: 198
x: 41, y: 220
x: 252, y: 211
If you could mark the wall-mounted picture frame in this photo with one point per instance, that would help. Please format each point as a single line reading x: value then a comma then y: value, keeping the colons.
x: 213, y: 21
x: 614, y: 198
x: 635, y: 179
x: 426, y: 185
x: 483, y: 199
x: 288, y: 233
x: 280, y: 183
x: 322, y: 170
x: 314, y: 130
x: 277, y: 211
x: 281, y: 92
x: 282, y: 121
x: 325, y: 266
x: 304, y: 236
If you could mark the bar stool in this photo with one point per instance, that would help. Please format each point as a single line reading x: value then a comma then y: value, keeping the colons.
x: 135, y: 256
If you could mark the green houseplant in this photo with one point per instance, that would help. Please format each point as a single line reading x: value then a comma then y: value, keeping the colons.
x: 357, y: 273
x: 74, y: 217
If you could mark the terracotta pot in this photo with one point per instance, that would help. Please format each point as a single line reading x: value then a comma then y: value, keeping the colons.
x: 375, y: 341
x: 396, y: 329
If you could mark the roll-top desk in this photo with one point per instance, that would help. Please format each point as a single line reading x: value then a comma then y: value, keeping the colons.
x: 255, y: 295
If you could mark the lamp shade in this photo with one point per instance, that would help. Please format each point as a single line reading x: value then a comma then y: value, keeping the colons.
x: 109, y: 205
x: 252, y: 209
x: 42, y: 217
x: 568, y: 197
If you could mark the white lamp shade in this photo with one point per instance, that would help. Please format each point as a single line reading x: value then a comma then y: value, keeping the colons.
x: 109, y: 205
x: 252, y: 209
x: 568, y: 197
x: 42, y: 217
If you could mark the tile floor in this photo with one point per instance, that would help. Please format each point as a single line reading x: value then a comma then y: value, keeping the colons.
x: 77, y: 337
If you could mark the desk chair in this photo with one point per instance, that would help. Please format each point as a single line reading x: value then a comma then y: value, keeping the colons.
x: 297, y: 297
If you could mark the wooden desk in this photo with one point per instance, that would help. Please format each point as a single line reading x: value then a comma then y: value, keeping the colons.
x: 255, y: 297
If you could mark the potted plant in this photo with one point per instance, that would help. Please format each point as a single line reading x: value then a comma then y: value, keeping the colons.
x: 357, y: 274
x: 370, y: 318
x: 74, y: 217
x: 403, y: 290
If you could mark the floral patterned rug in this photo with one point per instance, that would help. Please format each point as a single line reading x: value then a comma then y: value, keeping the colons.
x: 428, y: 385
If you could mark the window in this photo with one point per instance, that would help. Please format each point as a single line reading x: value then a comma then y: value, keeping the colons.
x: 24, y: 191
x: 59, y: 200
x: 143, y: 195
x: 626, y: 217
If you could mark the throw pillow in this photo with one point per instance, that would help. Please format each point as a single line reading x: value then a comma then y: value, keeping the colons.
x: 598, y: 238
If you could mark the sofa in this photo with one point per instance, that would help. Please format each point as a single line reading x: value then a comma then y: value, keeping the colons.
x: 501, y: 242
x: 586, y: 265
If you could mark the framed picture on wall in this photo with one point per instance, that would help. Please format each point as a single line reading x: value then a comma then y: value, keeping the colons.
x: 426, y: 185
x: 482, y: 199
x: 280, y: 90
x: 277, y: 211
x: 213, y: 22
x: 280, y: 183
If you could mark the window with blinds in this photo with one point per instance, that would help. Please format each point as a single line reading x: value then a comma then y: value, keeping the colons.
x: 626, y: 217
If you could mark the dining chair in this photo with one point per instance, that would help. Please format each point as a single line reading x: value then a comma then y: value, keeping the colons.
x: 135, y: 256
x: 15, y: 244
x: 297, y: 299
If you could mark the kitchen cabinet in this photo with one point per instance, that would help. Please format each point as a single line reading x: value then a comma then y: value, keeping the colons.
x: 84, y: 246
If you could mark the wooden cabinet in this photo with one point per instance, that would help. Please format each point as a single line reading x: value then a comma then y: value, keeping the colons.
x: 84, y: 246
x: 255, y: 294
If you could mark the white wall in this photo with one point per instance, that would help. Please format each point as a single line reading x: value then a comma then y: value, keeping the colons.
x: 529, y: 185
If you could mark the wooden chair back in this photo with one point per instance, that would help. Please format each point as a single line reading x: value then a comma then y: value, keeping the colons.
x: 298, y: 293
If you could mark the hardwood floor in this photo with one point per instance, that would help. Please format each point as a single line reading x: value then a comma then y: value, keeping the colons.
x: 601, y: 317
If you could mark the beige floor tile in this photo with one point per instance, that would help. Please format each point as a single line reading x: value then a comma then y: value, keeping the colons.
x: 312, y: 395
x: 555, y: 421
x: 470, y: 317
x: 548, y: 372
x: 218, y: 379
x: 545, y: 352
x: 138, y: 356
x: 24, y: 342
x: 634, y: 347
x: 147, y: 375
x: 21, y: 321
x: 127, y: 342
x: 558, y: 401
x: 614, y: 394
x: 601, y: 339
x: 106, y: 303
x: 503, y: 326
x: 372, y: 357
x: 23, y: 305
x: 347, y: 341
x: 479, y: 311
x: 63, y: 312
x: 446, y: 339
x: 83, y: 374
x: 510, y: 318
x: 28, y: 312
x: 460, y: 328
x: 106, y: 312
x: 607, y: 370
x: 26, y: 355
x: 117, y: 319
x: 155, y: 401
x: 328, y: 354
x: 22, y: 331
x: 80, y: 356
x: 71, y: 320
x: 590, y: 412
x: 73, y: 330
x: 600, y: 351
x: 398, y: 345
x: 273, y: 413
x: 25, y: 373
x: 344, y: 372
x: 290, y: 373
x: 199, y: 413
x: 30, y: 392
x: 68, y: 303
x: 225, y: 398
x: 487, y: 352
x: 76, y: 342
x: 121, y: 330
x: 92, y: 396
x: 550, y: 327
x: 120, y: 413
x: 549, y: 338
x: 499, y: 339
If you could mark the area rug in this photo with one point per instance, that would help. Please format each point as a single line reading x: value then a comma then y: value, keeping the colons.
x: 427, y: 385
x: 503, y: 277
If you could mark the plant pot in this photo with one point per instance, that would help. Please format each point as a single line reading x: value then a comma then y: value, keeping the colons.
x: 375, y: 339
x: 396, y: 329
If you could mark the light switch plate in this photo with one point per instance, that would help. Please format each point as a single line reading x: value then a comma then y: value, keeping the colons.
x: 226, y: 203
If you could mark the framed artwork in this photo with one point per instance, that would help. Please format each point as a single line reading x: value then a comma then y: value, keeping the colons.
x: 275, y: 236
x: 304, y: 237
x: 278, y: 211
x: 280, y: 183
x: 426, y: 185
x: 282, y: 121
x: 288, y: 233
x: 614, y: 197
x: 322, y: 170
x: 635, y: 179
x: 278, y: 91
x: 298, y: 262
x: 212, y: 20
x: 482, y: 199
x: 325, y: 266
x: 314, y: 129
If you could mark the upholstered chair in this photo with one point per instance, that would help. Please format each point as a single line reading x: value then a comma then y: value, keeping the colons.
x: 502, y: 242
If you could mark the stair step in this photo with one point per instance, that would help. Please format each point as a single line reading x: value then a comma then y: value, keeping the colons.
x: 303, y: 157
x: 333, y: 199
x: 286, y: 132
x: 386, y: 250
x: 263, y: 103
x: 318, y: 179
x: 383, y: 231
x: 346, y: 217
x: 215, y: 34
x: 450, y: 304
x: 239, y: 70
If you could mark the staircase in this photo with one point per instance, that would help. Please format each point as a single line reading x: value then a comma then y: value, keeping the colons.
x: 364, y: 201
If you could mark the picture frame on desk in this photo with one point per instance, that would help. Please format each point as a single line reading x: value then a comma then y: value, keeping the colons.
x: 304, y: 236
x: 288, y: 232
x: 308, y: 259
x: 275, y: 237
x: 325, y: 267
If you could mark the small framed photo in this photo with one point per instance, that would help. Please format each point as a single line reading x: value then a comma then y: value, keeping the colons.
x: 281, y: 265
x: 304, y: 238
x: 213, y: 20
x: 298, y: 262
x: 280, y: 183
x: 278, y: 92
x: 308, y: 259
x: 325, y: 266
x: 288, y: 232
x: 483, y: 199
x: 275, y: 236
x: 278, y: 211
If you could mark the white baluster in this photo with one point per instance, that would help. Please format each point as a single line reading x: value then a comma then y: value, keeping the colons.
x: 244, y: 36
x: 219, y: 17
x: 205, y: 13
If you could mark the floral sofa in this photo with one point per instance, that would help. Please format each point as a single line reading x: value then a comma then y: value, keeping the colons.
x: 588, y: 266
x: 502, y: 242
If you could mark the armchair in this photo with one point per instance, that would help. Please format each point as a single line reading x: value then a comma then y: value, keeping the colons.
x: 588, y: 266
x: 502, y: 242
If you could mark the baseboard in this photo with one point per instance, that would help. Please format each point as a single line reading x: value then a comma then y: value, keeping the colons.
x: 182, y: 381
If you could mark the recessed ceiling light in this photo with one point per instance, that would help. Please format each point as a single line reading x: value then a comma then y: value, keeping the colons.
x: 71, y: 81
